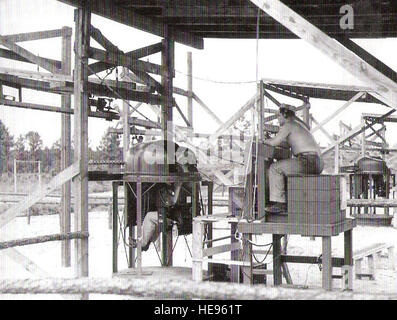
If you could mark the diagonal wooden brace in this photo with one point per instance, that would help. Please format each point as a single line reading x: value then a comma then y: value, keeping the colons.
x: 31, y: 199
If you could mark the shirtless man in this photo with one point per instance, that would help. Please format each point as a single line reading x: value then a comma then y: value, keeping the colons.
x: 307, y: 156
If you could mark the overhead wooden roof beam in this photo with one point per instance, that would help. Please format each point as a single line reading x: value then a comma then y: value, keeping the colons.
x: 108, y: 9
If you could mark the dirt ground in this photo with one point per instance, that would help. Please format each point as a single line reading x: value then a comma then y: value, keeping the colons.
x: 48, y: 255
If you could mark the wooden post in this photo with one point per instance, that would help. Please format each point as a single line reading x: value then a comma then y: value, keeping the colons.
x: 126, y: 146
x: 327, y: 263
x: 115, y: 229
x: 15, y: 175
x: 277, y: 274
x: 261, y: 170
x: 190, y: 89
x: 306, y: 114
x: 139, y: 225
x: 80, y: 183
x: 362, y: 138
x: 66, y: 160
x: 348, y: 255
x: 167, y: 62
x: 197, y: 248
x: 336, y: 159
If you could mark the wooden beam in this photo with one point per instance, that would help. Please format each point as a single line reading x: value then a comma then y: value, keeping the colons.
x: 30, y: 200
x: 8, y: 54
x: 379, y: 83
x: 168, y: 65
x: 41, y: 62
x: 66, y: 154
x: 129, y: 17
x: 97, y: 35
x: 207, y: 109
x: 41, y: 107
x: 247, y: 106
x: 322, y: 129
x: 80, y: 183
x: 38, y: 35
x: 120, y: 59
x: 368, y: 57
x: 334, y: 114
x: 43, y: 76
x: 134, y: 55
x: 182, y: 115
x: 354, y: 132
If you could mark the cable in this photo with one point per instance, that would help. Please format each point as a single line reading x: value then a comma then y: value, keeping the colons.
x: 267, y: 253
x: 217, y: 81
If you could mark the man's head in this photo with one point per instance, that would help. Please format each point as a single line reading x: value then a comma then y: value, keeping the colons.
x: 286, y: 111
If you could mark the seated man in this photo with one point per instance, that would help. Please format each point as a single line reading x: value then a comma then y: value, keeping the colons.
x: 307, y: 156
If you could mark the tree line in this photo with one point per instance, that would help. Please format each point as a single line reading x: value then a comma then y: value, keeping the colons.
x: 29, y: 147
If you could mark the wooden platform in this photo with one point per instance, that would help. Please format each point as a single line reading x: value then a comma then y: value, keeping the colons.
x: 278, y: 230
x: 319, y: 230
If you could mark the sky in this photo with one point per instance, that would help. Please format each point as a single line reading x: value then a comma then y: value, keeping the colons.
x: 216, y: 69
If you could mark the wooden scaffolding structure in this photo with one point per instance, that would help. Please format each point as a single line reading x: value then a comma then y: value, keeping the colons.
x: 189, y: 25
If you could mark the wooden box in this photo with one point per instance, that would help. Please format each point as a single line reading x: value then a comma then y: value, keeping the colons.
x: 316, y: 199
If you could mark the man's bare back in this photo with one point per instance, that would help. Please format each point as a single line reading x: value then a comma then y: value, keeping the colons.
x: 297, y: 136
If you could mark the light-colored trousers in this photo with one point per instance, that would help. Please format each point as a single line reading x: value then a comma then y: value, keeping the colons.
x: 278, y: 171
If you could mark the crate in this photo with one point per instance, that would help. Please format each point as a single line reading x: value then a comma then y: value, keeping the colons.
x: 316, y: 199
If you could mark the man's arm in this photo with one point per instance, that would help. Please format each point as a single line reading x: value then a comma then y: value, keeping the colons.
x: 280, y: 137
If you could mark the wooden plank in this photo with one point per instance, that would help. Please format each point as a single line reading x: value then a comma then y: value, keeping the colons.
x: 336, y: 262
x: 325, y: 132
x: 41, y: 62
x: 354, y: 132
x: 36, y: 75
x: 120, y: 59
x: 30, y: 200
x: 38, y: 35
x: 41, y: 107
x: 108, y: 9
x: 292, y: 228
x: 8, y: 54
x: 98, y: 36
x: 247, y: 106
x: 371, y: 249
x: 377, y: 115
x: 338, y: 111
x: 382, y: 85
x: 134, y: 55
x: 220, y: 249
x: 182, y: 115
x: 207, y: 109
